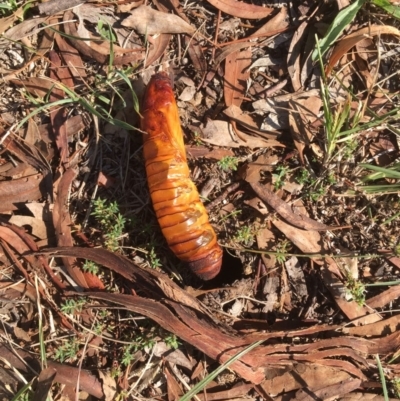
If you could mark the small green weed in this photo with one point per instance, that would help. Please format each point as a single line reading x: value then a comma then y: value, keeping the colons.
x: 281, y: 251
x: 8, y: 7
x: 72, y: 306
x: 279, y: 176
x: 303, y: 177
x: 67, y: 351
x: 228, y: 163
x: 395, y: 386
x: 111, y: 222
x: 355, y: 289
x: 154, y: 260
x: 245, y: 235
x: 105, y: 31
x: 90, y: 267
x: 140, y: 343
x: 197, y: 138
x: 172, y: 341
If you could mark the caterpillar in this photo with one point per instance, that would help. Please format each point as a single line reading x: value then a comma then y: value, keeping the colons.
x: 181, y: 214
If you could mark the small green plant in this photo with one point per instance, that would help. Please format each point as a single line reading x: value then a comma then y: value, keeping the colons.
x: 111, y: 222
x: 139, y: 343
x: 355, y: 289
x: 90, y: 267
x: 279, y: 176
x: 172, y: 341
x: 105, y: 31
x: 197, y: 138
x: 72, y: 306
x: 395, y: 386
x: 281, y: 251
x: 7, y: 7
x: 228, y: 163
x: 154, y: 260
x: 245, y: 235
x: 316, y: 192
x: 67, y: 351
x: 303, y: 177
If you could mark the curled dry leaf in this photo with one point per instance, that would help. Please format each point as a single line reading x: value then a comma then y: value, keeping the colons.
x: 157, y: 48
x: 236, y: 74
x: 241, y: 9
x: 351, y: 40
x: 220, y: 133
x: 147, y: 21
x: 277, y: 22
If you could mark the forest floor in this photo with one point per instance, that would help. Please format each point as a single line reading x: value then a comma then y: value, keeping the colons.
x: 290, y: 114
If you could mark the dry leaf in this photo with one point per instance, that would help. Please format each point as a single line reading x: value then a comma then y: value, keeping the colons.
x: 219, y: 133
x: 278, y: 21
x: 25, y: 28
x: 351, y: 40
x: 241, y: 9
x: 147, y: 21
x: 236, y: 74
x: 284, y: 210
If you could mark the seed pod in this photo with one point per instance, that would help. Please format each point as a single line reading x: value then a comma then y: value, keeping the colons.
x: 176, y: 202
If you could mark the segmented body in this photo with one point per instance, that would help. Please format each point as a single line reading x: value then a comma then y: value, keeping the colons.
x: 181, y: 215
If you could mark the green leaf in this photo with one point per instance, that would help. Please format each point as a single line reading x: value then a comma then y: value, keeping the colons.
x: 344, y: 18
x: 391, y: 9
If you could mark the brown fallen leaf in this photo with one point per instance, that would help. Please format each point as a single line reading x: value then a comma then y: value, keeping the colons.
x: 71, y: 57
x: 62, y: 224
x: 241, y: 9
x: 278, y: 21
x: 248, y: 122
x: 235, y: 79
x: 36, y: 86
x: 351, y: 40
x: 157, y: 48
x: 174, y: 389
x: 38, y: 226
x: 301, y: 375
x: 147, y: 21
x: 385, y: 297
x: 302, y: 113
x: 204, y: 151
x: 54, y: 6
x: 322, y: 391
x: 25, y: 28
x: 18, y: 191
x: 285, y: 211
x: 220, y: 133
x: 375, y: 329
x: 58, y: 115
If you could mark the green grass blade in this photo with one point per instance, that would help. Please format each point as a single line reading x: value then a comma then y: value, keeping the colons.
x: 390, y: 8
x: 381, y: 172
x: 342, y: 20
x: 382, y: 377
x: 202, y: 384
x: 128, y: 82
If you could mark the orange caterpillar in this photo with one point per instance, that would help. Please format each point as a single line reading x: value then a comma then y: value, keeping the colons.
x: 181, y: 215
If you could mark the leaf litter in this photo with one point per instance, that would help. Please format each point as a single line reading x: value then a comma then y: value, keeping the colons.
x: 287, y: 177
